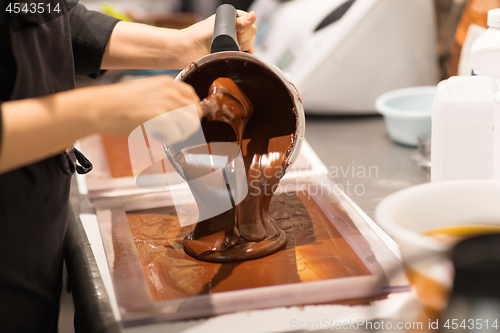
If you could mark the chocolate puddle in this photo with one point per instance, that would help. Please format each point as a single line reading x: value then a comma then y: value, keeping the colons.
x: 315, y: 251
x: 246, y: 231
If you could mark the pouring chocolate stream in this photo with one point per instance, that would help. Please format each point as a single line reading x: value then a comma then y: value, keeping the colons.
x: 227, y: 103
x: 246, y: 231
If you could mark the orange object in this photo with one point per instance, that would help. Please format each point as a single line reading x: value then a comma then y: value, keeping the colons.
x: 116, y: 148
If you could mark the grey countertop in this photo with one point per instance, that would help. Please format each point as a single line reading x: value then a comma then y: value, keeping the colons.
x: 362, y: 159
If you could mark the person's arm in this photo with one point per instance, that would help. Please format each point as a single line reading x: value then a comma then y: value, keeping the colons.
x: 90, y: 33
x: 37, y: 128
x: 140, y: 46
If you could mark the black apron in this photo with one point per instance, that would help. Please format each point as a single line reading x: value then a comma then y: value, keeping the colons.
x: 34, y: 199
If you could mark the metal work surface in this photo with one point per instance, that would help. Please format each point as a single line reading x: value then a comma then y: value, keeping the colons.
x: 362, y: 159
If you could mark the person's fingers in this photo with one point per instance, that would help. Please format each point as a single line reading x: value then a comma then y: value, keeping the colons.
x: 161, y: 78
x: 190, y: 97
x: 247, y: 34
x: 186, y: 90
x: 245, y: 21
x: 175, y: 126
x: 248, y: 45
x: 186, y: 101
x: 246, y: 31
x: 199, y: 109
x: 183, y: 89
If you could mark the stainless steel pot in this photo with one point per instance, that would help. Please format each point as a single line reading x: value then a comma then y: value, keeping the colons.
x: 276, y: 100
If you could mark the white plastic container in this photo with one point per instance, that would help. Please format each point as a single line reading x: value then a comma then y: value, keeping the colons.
x: 462, y: 129
x: 485, y: 59
x: 496, y: 138
x: 485, y: 52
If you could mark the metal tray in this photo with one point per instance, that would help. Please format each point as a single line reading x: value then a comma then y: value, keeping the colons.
x: 133, y: 289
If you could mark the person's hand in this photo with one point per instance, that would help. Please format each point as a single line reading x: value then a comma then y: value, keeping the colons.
x: 124, y: 106
x: 246, y: 31
x: 201, y: 35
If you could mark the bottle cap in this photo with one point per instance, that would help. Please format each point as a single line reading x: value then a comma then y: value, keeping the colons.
x: 494, y: 18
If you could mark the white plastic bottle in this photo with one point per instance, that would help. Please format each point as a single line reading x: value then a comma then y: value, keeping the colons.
x: 485, y: 52
x: 485, y: 59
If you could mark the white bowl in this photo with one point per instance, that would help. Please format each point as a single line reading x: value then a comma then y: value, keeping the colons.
x: 407, y: 113
x: 407, y: 214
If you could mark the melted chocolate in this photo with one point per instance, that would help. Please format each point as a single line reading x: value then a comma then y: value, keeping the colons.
x: 315, y: 251
x: 246, y: 231
x: 227, y: 103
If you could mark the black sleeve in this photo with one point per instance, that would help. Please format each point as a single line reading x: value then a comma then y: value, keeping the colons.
x: 90, y: 32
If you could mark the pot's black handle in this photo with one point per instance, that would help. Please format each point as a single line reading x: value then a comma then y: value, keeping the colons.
x: 225, y: 38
